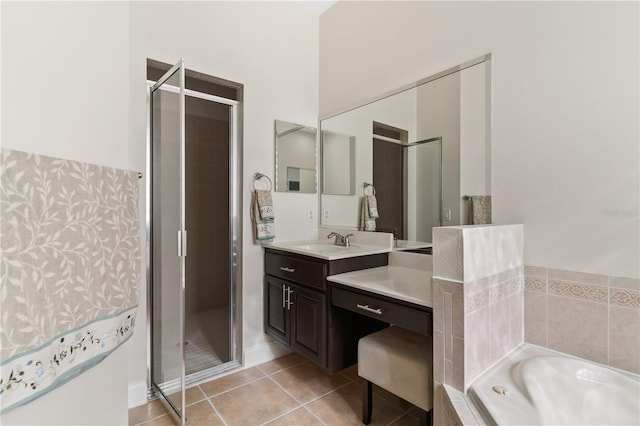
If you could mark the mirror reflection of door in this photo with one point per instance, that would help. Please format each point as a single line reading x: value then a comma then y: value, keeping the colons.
x: 338, y: 163
x: 295, y: 155
x: 388, y: 177
x: 423, y: 211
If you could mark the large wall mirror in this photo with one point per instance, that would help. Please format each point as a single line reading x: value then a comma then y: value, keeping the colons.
x: 425, y: 149
x: 296, y: 157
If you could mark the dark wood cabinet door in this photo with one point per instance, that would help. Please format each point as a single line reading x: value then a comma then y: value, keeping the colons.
x: 308, y: 325
x: 277, y: 315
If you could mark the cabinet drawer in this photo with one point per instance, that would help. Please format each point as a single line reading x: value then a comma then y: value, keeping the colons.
x: 411, y: 317
x: 296, y: 269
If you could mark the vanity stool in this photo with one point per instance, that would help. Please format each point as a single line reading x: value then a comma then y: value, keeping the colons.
x: 399, y: 361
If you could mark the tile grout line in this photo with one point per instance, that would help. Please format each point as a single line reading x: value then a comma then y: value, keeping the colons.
x: 282, y: 369
x: 327, y: 393
x: 235, y: 387
x: 402, y: 414
x: 215, y: 410
x: 546, y: 311
x: 285, y: 391
x: 608, y: 320
x: 151, y: 419
x: 313, y: 414
x: 300, y: 405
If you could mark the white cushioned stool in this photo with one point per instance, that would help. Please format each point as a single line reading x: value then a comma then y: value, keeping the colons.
x: 399, y: 361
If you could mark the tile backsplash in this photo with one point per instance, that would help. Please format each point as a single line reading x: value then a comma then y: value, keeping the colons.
x: 596, y: 317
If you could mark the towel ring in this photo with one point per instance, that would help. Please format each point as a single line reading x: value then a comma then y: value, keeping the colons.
x: 364, y: 188
x: 258, y: 176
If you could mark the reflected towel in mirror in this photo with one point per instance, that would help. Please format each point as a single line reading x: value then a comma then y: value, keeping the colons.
x: 368, y: 205
x: 373, y: 206
x: 480, y: 209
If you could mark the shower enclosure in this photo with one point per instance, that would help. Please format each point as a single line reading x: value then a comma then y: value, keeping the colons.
x: 193, y: 231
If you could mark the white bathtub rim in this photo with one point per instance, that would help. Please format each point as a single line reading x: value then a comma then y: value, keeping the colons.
x: 498, y: 370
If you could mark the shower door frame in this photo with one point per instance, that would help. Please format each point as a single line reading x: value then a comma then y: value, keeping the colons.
x: 235, y: 242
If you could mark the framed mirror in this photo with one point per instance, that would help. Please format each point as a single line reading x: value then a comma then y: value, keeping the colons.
x: 296, y: 157
x: 425, y: 148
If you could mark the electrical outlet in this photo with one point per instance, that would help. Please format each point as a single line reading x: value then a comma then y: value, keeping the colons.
x: 310, y: 215
x: 326, y: 214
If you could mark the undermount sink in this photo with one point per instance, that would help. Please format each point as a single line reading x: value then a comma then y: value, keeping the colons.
x: 328, y: 250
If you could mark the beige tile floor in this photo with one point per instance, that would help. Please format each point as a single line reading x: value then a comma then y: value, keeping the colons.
x: 285, y: 391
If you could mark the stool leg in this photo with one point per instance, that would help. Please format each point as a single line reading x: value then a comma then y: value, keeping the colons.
x: 367, y: 400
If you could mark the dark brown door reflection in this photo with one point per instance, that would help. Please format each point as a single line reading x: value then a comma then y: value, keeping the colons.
x: 388, y: 181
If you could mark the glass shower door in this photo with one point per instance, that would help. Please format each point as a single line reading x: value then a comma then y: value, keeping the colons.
x: 168, y: 238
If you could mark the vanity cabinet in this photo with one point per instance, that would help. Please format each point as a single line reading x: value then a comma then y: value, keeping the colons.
x: 298, y: 310
x: 295, y: 315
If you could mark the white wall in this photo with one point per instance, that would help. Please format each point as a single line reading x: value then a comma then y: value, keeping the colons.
x: 65, y: 85
x: 74, y: 86
x: 565, y: 87
x: 271, y: 48
x: 65, y: 80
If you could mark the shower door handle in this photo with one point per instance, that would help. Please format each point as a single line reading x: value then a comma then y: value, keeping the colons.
x: 182, y: 243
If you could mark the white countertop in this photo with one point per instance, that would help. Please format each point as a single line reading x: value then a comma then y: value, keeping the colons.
x: 410, y: 245
x: 399, y: 282
x: 326, y: 250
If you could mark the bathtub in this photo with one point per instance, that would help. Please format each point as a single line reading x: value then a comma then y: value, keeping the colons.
x: 537, y: 386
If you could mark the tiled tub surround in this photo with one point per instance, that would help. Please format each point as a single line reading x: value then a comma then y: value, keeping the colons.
x: 479, y: 322
x: 477, y: 299
x: 478, y: 288
x: 595, y: 317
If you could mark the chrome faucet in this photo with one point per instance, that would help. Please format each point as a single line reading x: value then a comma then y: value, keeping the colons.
x: 340, y: 240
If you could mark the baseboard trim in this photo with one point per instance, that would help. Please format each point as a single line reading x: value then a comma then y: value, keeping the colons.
x: 253, y: 356
x: 264, y: 352
x: 137, y: 394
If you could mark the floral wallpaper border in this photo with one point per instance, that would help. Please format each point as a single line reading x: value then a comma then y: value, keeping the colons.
x: 25, y: 377
x: 70, y: 269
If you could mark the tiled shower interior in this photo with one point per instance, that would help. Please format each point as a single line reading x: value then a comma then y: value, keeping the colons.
x: 207, y: 294
x: 208, y: 263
